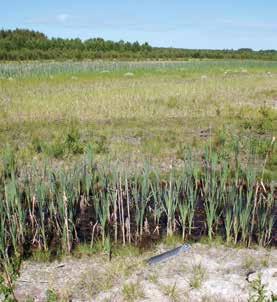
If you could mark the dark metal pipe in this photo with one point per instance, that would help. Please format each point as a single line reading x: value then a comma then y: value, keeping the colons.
x: 169, y: 254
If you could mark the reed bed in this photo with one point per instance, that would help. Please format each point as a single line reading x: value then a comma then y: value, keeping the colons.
x: 46, y: 69
x: 48, y: 209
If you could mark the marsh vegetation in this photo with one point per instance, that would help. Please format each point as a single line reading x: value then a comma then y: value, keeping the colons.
x: 100, y: 154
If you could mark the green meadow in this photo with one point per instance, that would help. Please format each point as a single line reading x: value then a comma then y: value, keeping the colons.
x: 132, y: 112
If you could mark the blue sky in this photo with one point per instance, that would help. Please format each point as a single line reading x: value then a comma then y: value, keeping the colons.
x: 178, y: 23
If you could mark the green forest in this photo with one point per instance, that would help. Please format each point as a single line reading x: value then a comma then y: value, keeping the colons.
x: 24, y: 44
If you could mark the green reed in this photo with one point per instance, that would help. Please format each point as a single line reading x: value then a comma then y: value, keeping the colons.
x: 44, y: 208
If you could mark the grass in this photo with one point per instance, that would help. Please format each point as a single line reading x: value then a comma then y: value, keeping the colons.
x: 41, y: 256
x: 122, y: 266
x: 126, y: 157
x: 249, y: 264
x: 171, y: 292
x: 252, y: 264
x: 126, y: 251
x: 132, y: 292
x: 198, y: 276
x: 85, y: 249
x: 9, y: 271
x: 96, y: 282
x: 217, y: 241
x: 172, y: 241
x: 153, y: 278
x: 52, y: 296
x: 265, y: 262
x: 137, y: 116
x: 259, y: 293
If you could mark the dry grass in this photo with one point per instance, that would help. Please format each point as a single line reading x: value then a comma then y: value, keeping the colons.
x: 132, y: 292
x: 154, y: 114
x: 142, y: 98
x: 198, y: 275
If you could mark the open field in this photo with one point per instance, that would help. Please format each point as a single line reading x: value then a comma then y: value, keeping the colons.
x: 134, y: 112
x: 118, y: 153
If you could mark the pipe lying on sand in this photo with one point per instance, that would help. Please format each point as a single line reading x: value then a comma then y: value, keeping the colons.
x: 169, y: 254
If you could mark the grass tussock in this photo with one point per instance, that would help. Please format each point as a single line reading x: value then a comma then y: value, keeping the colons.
x: 198, y: 276
x: 132, y: 292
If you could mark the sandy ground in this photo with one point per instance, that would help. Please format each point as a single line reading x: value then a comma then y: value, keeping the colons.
x: 206, y: 273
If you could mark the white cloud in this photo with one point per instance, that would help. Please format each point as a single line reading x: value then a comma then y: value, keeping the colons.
x: 62, y: 17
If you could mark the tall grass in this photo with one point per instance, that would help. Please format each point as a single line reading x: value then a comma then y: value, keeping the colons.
x: 42, y: 208
x: 45, y: 69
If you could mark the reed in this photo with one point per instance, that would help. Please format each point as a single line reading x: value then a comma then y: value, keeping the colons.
x: 211, y: 191
x: 40, y: 70
x: 43, y: 208
x: 158, y: 209
x: 170, y: 202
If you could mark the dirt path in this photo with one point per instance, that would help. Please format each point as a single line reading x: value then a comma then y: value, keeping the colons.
x: 204, y: 274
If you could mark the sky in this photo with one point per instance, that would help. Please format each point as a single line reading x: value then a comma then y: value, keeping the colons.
x: 209, y: 24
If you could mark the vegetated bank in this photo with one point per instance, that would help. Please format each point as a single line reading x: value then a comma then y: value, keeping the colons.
x: 24, y: 44
x: 52, y: 210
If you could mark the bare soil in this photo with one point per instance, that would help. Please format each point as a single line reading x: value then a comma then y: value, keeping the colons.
x: 206, y: 273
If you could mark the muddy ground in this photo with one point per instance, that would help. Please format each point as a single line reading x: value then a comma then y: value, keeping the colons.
x: 206, y: 273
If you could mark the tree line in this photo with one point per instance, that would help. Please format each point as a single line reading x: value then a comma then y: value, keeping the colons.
x: 24, y: 44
